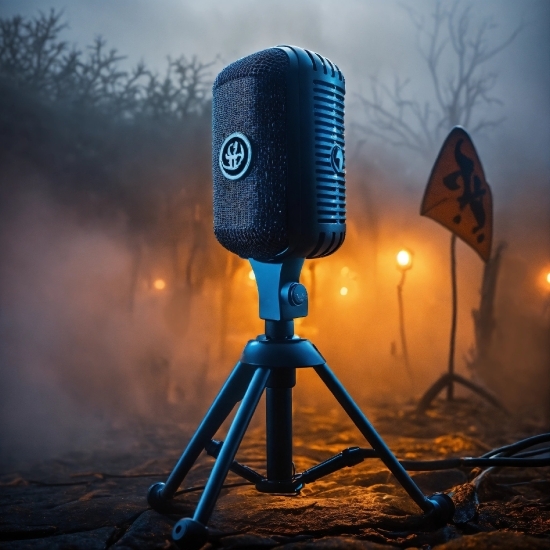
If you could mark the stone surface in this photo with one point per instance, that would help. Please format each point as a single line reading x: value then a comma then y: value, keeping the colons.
x: 98, y: 499
x: 96, y: 539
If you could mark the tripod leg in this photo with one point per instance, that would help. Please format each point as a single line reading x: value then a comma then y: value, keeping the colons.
x: 195, y: 528
x: 231, y: 392
x: 371, y: 435
x: 230, y: 445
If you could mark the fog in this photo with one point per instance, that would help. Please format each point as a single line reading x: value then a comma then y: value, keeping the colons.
x: 89, y: 344
x: 365, y: 37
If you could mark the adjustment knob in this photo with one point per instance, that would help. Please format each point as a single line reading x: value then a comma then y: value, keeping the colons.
x: 297, y: 294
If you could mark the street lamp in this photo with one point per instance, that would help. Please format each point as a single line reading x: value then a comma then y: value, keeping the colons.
x: 159, y: 284
x: 404, y: 260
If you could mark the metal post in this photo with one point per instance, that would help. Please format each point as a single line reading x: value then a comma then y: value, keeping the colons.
x: 450, y: 387
x: 402, y: 324
x: 279, y: 424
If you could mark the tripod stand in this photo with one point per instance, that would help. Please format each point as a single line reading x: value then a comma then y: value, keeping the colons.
x: 269, y: 363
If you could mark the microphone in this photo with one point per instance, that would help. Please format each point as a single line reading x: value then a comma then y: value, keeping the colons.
x: 278, y: 155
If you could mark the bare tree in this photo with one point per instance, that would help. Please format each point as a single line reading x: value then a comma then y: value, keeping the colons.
x: 30, y: 52
x: 484, y: 316
x: 180, y: 92
x: 450, y: 37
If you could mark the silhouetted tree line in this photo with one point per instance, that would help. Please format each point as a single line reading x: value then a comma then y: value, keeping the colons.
x: 33, y: 56
x: 132, y: 144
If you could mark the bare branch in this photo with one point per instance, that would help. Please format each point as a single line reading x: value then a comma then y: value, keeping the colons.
x: 451, y: 33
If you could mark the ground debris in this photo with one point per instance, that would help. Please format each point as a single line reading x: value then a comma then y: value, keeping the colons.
x: 466, y: 502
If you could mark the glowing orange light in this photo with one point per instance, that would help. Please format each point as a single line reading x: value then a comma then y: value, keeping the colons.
x: 548, y: 277
x: 404, y: 259
x: 251, y: 275
x: 159, y: 284
x: 344, y: 271
x: 343, y: 291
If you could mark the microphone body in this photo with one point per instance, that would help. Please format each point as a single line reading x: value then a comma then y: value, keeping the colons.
x: 278, y: 155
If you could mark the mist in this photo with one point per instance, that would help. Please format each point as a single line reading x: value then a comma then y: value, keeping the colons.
x: 97, y: 210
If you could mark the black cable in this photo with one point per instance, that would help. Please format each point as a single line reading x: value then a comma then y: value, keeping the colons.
x: 510, y: 450
x: 506, y: 461
x: 201, y: 487
x: 448, y: 463
x: 506, y: 456
x: 534, y: 452
x: 519, y: 445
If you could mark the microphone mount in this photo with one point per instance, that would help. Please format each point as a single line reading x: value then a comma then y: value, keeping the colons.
x: 281, y: 295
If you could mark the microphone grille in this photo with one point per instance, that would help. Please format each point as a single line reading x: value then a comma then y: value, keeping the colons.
x: 272, y: 63
x: 250, y: 218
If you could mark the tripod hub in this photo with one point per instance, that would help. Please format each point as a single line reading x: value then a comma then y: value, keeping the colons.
x: 290, y: 487
x: 281, y: 354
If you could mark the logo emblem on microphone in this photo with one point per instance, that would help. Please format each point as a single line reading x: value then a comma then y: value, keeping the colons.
x: 235, y: 156
x: 337, y: 159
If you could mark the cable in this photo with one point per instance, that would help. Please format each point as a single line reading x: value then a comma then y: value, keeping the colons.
x: 201, y: 487
x: 446, y: 464
x: 510, y: 450
x: 506, y: 456
x: 519, y: 445
x: 430, y: 465
x: 534, y: 452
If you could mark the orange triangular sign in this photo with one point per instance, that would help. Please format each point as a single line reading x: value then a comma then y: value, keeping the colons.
x: 458, y: 196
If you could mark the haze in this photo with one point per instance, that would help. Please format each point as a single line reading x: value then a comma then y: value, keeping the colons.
x: 71, y: 348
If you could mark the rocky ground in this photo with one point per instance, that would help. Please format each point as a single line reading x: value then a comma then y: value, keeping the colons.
x: 96, y: 500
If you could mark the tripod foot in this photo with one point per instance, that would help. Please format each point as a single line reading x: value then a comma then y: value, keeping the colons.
x: 443, y: 508
x: 189, y: 534
x: 154, y: 497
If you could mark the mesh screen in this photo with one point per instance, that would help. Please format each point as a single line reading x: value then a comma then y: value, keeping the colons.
x: 249, y: 97
x: 272, y: 62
